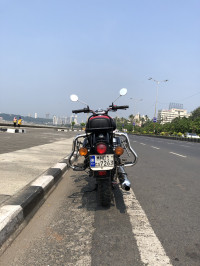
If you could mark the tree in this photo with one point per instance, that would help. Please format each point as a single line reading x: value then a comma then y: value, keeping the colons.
x: 73, y: 123
x: 131, y: 117
x: 195, y: 114
x: 129, y: 127
x: 143, y: 120
x: 82, y: 125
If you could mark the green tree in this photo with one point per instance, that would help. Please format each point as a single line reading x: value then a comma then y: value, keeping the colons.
x: 82, y: 125
x: 131, y: 118
x: 72, y: 124
x: 129, y: 127
x: 195, y: 114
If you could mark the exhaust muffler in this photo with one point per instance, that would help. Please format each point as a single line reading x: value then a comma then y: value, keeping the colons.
x: 123, y: 179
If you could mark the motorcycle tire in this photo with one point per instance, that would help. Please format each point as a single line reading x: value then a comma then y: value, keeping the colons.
x: 104, y: 193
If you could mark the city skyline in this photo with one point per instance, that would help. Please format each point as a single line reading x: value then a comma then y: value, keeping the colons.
x: 52, y: 49
x: 80, y: 116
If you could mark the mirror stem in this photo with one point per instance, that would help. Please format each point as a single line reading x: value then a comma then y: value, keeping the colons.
x: 82, y: 102
x: 117, y: 98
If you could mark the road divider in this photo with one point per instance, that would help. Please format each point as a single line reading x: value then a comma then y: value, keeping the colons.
x: 13, y: 130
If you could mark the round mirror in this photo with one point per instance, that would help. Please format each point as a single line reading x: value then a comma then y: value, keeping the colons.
x: 74, y: 98
x: 123, y: 91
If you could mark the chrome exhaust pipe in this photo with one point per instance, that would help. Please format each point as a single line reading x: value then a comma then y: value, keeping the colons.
x: 124, y: 181
x: 126, y: 185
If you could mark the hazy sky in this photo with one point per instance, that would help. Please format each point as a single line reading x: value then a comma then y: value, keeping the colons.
x: 50, y: 49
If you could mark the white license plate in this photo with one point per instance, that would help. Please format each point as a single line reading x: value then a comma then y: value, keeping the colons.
x: 102, y: 162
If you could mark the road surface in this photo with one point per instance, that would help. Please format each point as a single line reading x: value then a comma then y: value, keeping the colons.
x: 156, y: 223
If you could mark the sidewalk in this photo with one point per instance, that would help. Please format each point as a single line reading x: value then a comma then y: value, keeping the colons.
x: 26, y: 176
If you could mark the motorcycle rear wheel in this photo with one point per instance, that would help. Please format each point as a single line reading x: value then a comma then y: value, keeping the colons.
x: 104, y: 193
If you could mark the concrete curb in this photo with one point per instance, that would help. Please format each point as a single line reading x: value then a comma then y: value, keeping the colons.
x: 17, y: 208
x: 13, y: 130
x: 171, y: 138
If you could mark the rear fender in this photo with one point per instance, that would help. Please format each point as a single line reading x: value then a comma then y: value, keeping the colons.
x: 101, y: 176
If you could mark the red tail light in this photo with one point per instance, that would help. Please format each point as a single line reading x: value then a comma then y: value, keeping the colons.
x: 101, y: 148
x: 102, y: 173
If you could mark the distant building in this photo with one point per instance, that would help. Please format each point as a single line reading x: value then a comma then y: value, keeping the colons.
x: 47, y: 116
x: 175, y: 105
x: 73, y: 118
x: 55, y: 120
x: 166, y: 116
x: 36, y: 116
x: 137, y: 120
x: 66, y: 120
x: 76, y: 119
x: 61, y: 120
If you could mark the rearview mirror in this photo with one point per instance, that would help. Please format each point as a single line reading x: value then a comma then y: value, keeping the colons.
x: 123, y: 92
x: 74, y: 98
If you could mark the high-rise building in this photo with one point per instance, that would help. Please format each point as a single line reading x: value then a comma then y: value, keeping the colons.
x: 47, y: 116
x: 66, y: 120
x: 73, y: 118
x: 55, y: 120
x: 36, y: 115
x: 76, y: 119
x: 166, y: 116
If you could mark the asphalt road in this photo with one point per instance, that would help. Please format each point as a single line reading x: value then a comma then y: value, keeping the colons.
x: 25, y: 156
x: 156, y: 223
x: 34, y: 137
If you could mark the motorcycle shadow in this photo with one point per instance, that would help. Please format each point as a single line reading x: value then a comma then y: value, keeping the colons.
x: 87, y: 196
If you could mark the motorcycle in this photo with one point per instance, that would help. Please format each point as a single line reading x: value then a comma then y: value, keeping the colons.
x: 103, y: 149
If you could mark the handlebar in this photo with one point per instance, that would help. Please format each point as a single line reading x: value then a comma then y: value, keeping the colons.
x: 122, y: 107
x: 112, y: 107
x: 84, y: 110
x: 116, y: 107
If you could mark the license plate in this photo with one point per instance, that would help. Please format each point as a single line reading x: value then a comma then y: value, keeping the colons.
x: 102, y: 162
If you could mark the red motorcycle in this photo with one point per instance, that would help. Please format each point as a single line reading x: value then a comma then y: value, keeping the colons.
x: 103, y: 150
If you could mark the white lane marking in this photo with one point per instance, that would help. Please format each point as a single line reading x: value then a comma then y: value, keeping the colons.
x: 143, y: 144
x: 150, y: 249
x: 185, y: 146
x: 155, y: 148
x: 178, y: 154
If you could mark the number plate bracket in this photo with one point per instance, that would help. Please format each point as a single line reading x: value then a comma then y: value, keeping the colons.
x: 102, y: 162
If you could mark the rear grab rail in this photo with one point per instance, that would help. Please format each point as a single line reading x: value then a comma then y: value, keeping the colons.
x: 75, y: 148
x: 120, y: 134
x: 76, y: 144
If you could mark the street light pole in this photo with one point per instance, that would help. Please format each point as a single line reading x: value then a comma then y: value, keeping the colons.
x: 157, y: 82
x: 134, y: 104
x: 134, y: 109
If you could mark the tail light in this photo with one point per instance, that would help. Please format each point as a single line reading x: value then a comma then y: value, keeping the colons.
x: 83, y: 151
x: 102, y: 173
x: 101, y: 148
x: 119, y: 150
